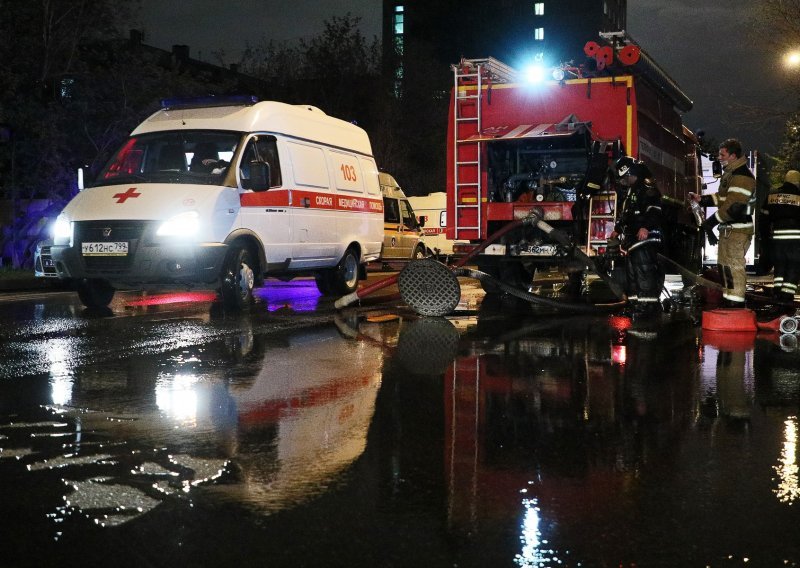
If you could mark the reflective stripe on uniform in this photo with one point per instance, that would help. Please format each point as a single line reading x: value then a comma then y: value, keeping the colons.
x: 786, y: 234
x: 741, y: 190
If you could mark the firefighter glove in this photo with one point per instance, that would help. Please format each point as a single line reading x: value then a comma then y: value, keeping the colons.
x: 708, y: 228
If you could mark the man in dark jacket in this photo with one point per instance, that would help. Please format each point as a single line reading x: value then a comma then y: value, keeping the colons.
x: 782, y: 212
x: 639, y: 227
x: 736, y: 189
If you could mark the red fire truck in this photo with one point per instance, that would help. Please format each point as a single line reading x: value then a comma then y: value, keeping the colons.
x: 515, y: 145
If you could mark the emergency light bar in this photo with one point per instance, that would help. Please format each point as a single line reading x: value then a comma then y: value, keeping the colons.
x: 211, y: 101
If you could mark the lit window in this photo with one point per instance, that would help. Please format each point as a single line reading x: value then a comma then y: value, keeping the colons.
x: 538, y: 34
x: 397, y: 19
x: 538, y: 8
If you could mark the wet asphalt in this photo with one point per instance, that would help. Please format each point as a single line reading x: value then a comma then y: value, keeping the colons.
x: 167, y: 432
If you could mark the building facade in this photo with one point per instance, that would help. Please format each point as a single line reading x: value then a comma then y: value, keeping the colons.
x: 419, y: 34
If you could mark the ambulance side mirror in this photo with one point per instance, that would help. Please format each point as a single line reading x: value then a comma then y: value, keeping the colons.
x: 259, y: 176
x: 422, y: 219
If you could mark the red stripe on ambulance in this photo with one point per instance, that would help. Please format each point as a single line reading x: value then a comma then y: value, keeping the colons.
x: 310, y: 200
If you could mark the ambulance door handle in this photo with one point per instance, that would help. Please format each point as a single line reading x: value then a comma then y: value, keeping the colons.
x: 306, y: 202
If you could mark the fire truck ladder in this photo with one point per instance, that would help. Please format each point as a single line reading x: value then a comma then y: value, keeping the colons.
x: 474, y: 73
x: 602, y: 216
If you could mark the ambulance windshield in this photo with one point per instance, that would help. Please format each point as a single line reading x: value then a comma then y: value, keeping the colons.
x: 190, y: 156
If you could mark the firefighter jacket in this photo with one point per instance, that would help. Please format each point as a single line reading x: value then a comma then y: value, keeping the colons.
x: 641, y: 207
x: 737, y: 189
x: 782, y: 211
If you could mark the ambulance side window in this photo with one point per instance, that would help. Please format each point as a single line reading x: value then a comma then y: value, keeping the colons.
x: 409, y: 220
x: 261, y: 149
x: 391, y: 211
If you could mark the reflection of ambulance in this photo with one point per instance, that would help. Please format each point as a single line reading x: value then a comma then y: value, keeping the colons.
x: 220, y: 194
x: 402, y: 232
x: 431, y: 210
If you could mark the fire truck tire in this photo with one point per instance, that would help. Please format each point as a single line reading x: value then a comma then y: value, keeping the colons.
x: 238, y: 278
x: 344, y: 278
x: 94, y: 292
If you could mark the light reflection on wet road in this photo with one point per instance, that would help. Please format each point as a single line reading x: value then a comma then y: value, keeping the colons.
x: 166, y: 432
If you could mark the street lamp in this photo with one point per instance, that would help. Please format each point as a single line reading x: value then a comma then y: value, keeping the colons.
x: 792, y: 59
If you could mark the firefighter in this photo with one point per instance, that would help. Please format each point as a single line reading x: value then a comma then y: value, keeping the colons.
x: 782, y: 212
x: 639, y: 229
x: 734, y: 216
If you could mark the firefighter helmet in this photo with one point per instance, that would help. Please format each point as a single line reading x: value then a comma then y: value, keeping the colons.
x: 623, y: 166
x: 627, y: 166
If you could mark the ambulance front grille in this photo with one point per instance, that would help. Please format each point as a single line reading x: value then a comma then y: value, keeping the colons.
x: 109, y: 231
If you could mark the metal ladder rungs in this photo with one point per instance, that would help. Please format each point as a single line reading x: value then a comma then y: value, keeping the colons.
x: 467, y: 183
x: 467, y: 119
x: 472, y: 163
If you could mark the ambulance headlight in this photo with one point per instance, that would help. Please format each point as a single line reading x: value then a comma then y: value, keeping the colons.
x: 62, y: 231
x: 183, y: 225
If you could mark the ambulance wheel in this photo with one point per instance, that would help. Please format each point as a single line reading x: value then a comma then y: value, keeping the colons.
x: 323, y: 280
x: 345, y: 276
x: 238, y: 278
x: 94, y: 292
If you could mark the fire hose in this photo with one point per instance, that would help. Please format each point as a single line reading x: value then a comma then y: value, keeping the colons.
x: 352, y: 297
x: 427, y: 278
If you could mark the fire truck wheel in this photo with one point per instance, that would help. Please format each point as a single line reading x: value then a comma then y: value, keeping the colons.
x: 345, y: 276
x: 237, y: 278
x: 94, y: 292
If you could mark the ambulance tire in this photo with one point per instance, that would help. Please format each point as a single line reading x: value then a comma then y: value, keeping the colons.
x: 94, y: 292
x: 344, y: 278
x: 323, y: 280
x: 238, y: 278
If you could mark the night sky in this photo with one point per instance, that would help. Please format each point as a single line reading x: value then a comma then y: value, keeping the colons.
x: 702, y: 44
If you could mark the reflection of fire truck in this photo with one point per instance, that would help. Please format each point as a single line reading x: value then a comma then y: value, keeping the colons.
x: 514, y: 145
x: 558, y: 422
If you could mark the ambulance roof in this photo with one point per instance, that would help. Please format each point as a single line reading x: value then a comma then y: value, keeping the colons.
x: 389, y: 186
x: 297, y: 121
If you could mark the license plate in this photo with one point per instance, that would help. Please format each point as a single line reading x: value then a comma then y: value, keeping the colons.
x: 541, y: 250
x: 118, y: 248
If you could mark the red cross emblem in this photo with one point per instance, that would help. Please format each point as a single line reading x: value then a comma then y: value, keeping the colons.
x: 121, y: 197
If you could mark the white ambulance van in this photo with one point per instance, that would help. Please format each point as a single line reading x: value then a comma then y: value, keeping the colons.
x: 431, y: 209
x: 402, y: 231
x: 220, y: 194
